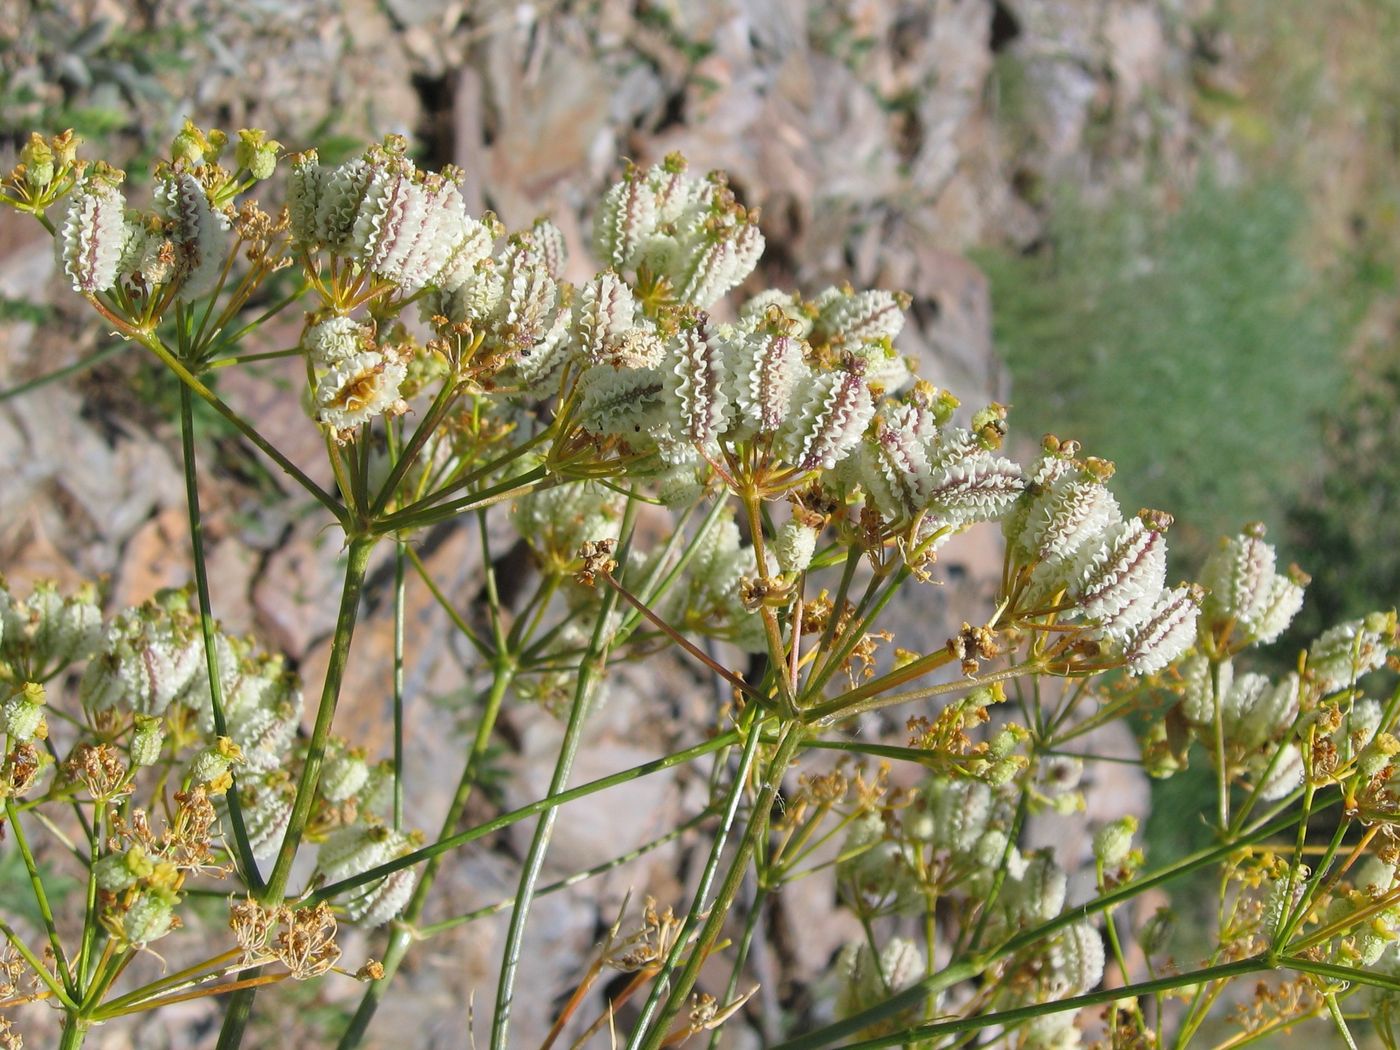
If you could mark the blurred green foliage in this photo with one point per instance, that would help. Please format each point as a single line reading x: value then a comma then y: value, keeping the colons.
x: 1349, y: 523
x: 1193, y: 347
x: 60, y: 69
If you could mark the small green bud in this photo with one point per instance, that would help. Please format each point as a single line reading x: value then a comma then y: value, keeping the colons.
x: 990, y: 426
x: 211, y: 766
x: 1006, y: 741
x: 149, y: 918
x: 38, y: 160
x: 140, y: 865
x: 1371, y: 943
x: 1114, y: 842
x: 1382, y: 623
x: 24, y: 714
x: 147, y: 741
x: 112, y: 874
x: 164, y: 876
x: 1377, y: 755
x: 1003, y: 771
x: 119, y: 871
x: 987, y: 695
x: 944, y: 404
x: 189, y: 145
x: 255, y: 152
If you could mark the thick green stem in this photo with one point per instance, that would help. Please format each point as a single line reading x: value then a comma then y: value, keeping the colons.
x: 74, y: 1032
x: 240, y: 1004
x: 358, y: 561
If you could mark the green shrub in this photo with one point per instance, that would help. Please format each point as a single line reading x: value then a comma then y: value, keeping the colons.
x: 1192, y: 347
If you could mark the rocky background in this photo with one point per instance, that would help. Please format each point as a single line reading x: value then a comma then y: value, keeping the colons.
x: 884, y: 140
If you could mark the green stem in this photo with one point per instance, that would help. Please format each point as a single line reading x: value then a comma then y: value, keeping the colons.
x: 403, y: 934
x: 505, y: 820
x: 1337, y: 1019
x: 241, y: 1002
x: 1019, y: 1014
x: 415, y: 445
x: 90, y: 925
x: 442, y: 926
x: 202, y: 971
x: 41, y: 898
x: 974, y: 965
x: 189, y: 379
x: 592, y: 667
x: 226, y: 338
x: 446, y: 605
x: 741, y: 953
x: 244, y: 359
x: 251, y: 876
x: 110, y: 967
x: 39, y: 969
x: 707, y: 878
x: 876, y: 597
x: 1222, y: 773
x: 74, y: 1032
x: 399, y: 559
x: 734, y: 877
x: 1292, y: 918
x: 838, y: 604
x: 499, y: 493
x: 1333, y: 972
x: 840, y: 708
x: 357, y: 562
x: 461, y: 481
